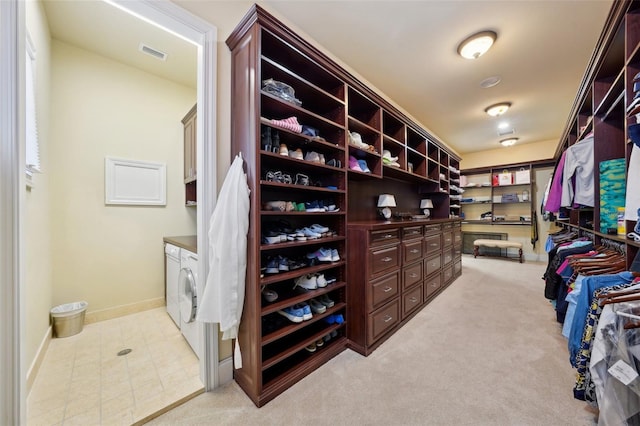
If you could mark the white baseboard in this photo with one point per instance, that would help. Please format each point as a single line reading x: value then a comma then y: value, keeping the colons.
x: 225, y: 370
x: 119, y: 311
x: 37, y: 361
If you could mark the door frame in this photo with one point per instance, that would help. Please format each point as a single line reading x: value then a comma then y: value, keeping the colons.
x: 12, y: 183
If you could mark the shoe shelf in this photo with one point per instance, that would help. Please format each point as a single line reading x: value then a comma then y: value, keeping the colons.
x: 328, y: 103
x: 283, y: 276
x: 282, y: 52
x: 304, y: 89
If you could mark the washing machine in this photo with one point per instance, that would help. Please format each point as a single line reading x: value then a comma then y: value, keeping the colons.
x: 188, y: 298
x: 171, y: 273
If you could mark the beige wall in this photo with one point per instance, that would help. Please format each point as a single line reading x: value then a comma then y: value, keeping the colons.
x: 509, y: 155
x: 111, y: 255
x: 38, y: 292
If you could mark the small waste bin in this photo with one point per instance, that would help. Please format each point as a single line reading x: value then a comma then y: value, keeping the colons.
x: 68, y: 319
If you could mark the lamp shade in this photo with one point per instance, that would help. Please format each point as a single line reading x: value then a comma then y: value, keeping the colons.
x: 386, y: 200
x: 426, y: 204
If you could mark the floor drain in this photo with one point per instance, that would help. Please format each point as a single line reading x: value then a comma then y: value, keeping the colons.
x: 124, y: 352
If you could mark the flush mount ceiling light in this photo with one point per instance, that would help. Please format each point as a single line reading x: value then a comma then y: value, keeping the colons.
x: 476, y: 45
x: 509, y: 142
x: 497, y: 109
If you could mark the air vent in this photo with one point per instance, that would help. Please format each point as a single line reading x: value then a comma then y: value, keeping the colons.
x: 506, y: 132
x: 152, y: 52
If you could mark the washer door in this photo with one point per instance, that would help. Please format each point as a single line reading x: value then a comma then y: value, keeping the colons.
x: 188, y: 295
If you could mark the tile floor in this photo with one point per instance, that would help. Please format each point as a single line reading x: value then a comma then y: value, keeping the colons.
x: 82, y: 380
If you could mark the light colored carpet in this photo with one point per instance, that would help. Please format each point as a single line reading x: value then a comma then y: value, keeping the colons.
x: 486, y: 351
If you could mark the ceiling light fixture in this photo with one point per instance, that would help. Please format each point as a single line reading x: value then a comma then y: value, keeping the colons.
x: 509, y: 142
x: 496, y: 110
x: 476, y: 45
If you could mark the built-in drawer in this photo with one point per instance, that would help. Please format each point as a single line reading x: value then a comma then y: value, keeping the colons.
x: 383, y: 259
x: 447, y: 238
x: 432, y: 244
x: 457, y: 224
x: 383, y: 320
x: 457, y: 237
x: 388, y: 236
x: 384, y: 289
x: 432, y: 265
x: 412, y: 251
x: 447, y: 274
x: 457, y: 267
x: 411, y: 275
x: 447, y: 225
x: 411, y: 300
x: 447, y: 256
x: 432, y: 229
x: 432, y: 285
x: 457, y: 250
x: 411, y: 232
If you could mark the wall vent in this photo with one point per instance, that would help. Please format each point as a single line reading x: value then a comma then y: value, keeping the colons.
x: 506, y: 132
x: 152, y: 52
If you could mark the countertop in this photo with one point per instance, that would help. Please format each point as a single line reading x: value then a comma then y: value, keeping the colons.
x: 187, y: 242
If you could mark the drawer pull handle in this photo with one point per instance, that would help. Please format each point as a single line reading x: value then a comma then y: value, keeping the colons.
x: 413, y: 275
x: 387, y: 318
x: 387, y: 259
x: 388, y: 236
x: 433, y: 245
x: 387, y: 289
x: 414, y: 251
x: 413, y: 300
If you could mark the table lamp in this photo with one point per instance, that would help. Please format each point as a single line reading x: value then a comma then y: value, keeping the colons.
x: 385, y: 201
x: 425, y: 205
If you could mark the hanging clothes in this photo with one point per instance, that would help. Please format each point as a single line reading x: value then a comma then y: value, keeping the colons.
x: 223, y: 296
x: 632, y: 204
x: 554, y: 198
x: 578, y: 164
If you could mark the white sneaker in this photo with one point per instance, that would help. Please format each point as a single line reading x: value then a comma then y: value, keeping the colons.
x: 308, y: 282
x: 319, y: 228
x: 321, y: 281
x: 309, y: 233
x: 335, y: 256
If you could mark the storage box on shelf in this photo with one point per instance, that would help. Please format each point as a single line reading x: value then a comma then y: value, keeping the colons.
x: 605, y: 106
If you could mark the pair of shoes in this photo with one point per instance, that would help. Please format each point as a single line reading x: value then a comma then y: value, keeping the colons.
x: 278, y: 176
x: 332, y: 335
x: 283, y: 206
x: 335, y: 319
x: 307, y: 282
x: 290, y: 123
x: 314, y: 157
x: 322, y: 255
x: 309, y: 233
x: 334, y: 163
x: 292, y: 314
x: 302, y: 179
x: 297, y: 154
x: 324, y: 299
x: 311, y: 347
x: 317, y: 307
x: 276, y: 265
x: 283, y: 150
x: 269, y: 295
x: 306, y: 311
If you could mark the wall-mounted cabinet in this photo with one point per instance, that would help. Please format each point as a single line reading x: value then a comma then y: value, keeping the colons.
x: 189, y: 123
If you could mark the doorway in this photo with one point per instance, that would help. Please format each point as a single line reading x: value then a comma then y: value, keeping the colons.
x: 177, y: 21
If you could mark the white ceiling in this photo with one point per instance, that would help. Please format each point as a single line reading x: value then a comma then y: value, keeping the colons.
x: 407, y: 49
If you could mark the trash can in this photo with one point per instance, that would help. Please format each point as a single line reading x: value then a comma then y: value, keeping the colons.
x: 68, y: 319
